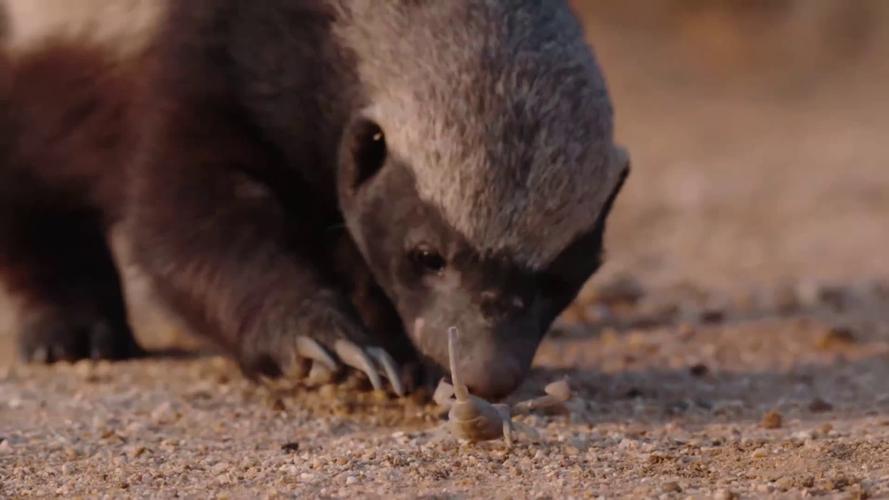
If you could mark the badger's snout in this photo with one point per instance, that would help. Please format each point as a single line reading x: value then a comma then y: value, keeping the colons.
x: 492, y: 362
x: 492, y: 379
x: 494, y: 352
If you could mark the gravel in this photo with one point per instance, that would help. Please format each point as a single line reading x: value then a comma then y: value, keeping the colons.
x: 644, y: 422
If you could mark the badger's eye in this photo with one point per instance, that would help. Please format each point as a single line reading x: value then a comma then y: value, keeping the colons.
x: 426, y: 260
x: 368, y: 150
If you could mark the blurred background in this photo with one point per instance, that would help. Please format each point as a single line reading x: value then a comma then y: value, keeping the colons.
x: 758, y: 131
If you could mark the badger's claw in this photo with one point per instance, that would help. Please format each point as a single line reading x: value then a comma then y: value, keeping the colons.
x: 322, y: 334
x: 319, y: 374
x: 389, y: 367
x: 309, y: 348
x: 363, y: 360
x: 355, y: 357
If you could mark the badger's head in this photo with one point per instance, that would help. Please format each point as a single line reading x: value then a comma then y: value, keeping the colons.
x: 477, y: 178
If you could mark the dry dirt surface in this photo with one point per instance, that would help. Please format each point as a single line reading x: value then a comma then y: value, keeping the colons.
x: 736, y: 345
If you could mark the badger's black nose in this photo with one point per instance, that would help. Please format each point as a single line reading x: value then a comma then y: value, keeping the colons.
x: 492, y: 379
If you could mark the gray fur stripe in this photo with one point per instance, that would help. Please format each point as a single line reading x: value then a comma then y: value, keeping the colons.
x: 500, y: 108
x: 125, y: 26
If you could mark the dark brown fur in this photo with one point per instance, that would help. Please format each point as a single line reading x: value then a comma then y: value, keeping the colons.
x: 234, y: 209
x: 63, y: 127
x: 68, y: 134
x: 210, y: 214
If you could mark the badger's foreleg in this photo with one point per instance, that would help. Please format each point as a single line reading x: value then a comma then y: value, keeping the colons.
x: 237, y: 260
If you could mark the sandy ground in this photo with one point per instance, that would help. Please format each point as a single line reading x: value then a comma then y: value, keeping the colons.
x: 735, y: 345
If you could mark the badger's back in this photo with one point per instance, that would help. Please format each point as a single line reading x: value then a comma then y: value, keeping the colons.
x: 67, y: 76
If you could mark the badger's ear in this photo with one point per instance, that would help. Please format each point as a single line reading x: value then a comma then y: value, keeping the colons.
x: 620, y: 161
x: 363, y: 154
x: 618, y: 171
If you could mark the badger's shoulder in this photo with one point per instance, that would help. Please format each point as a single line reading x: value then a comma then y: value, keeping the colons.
x: 122, y: 26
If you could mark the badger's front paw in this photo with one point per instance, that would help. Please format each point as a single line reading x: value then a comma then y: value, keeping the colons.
x: 52, y: 336
x: 316, y: 341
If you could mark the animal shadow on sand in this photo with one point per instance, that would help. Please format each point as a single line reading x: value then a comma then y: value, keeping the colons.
x: 811, y: 363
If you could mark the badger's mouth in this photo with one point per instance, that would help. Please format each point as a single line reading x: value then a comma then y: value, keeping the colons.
x: 491, y: 367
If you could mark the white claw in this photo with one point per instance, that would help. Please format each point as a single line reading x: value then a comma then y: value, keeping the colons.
x: 298, y: 368
x: 355, y: 357
x: 390, y: 369
x: 311, y: 349
x: 319, y: 374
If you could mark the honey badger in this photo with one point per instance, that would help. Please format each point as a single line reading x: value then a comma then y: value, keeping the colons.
x: 338, y: 181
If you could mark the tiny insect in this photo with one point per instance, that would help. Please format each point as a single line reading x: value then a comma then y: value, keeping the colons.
x: 474, y: 419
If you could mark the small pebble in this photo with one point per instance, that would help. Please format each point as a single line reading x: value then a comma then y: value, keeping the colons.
x: 772, y: 420
x: 671, y: 487
x: 836, y: 297
x: 765, y: 488
x: 164, y: 414
x: 327, y: 391
x: 784, y: 483
x: 803, y: 435
x: 633, y: 393
x: 760, y: 453
x: 836, y: 338
x: 623, y: 289
x: 699, y: 370
x: 686, y: 331
x: 379, y: 396
x: 559, y: 389
x: 724, y: 494
x: 712, y: 316
x: 819, y: 405
x: 786, y: 300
